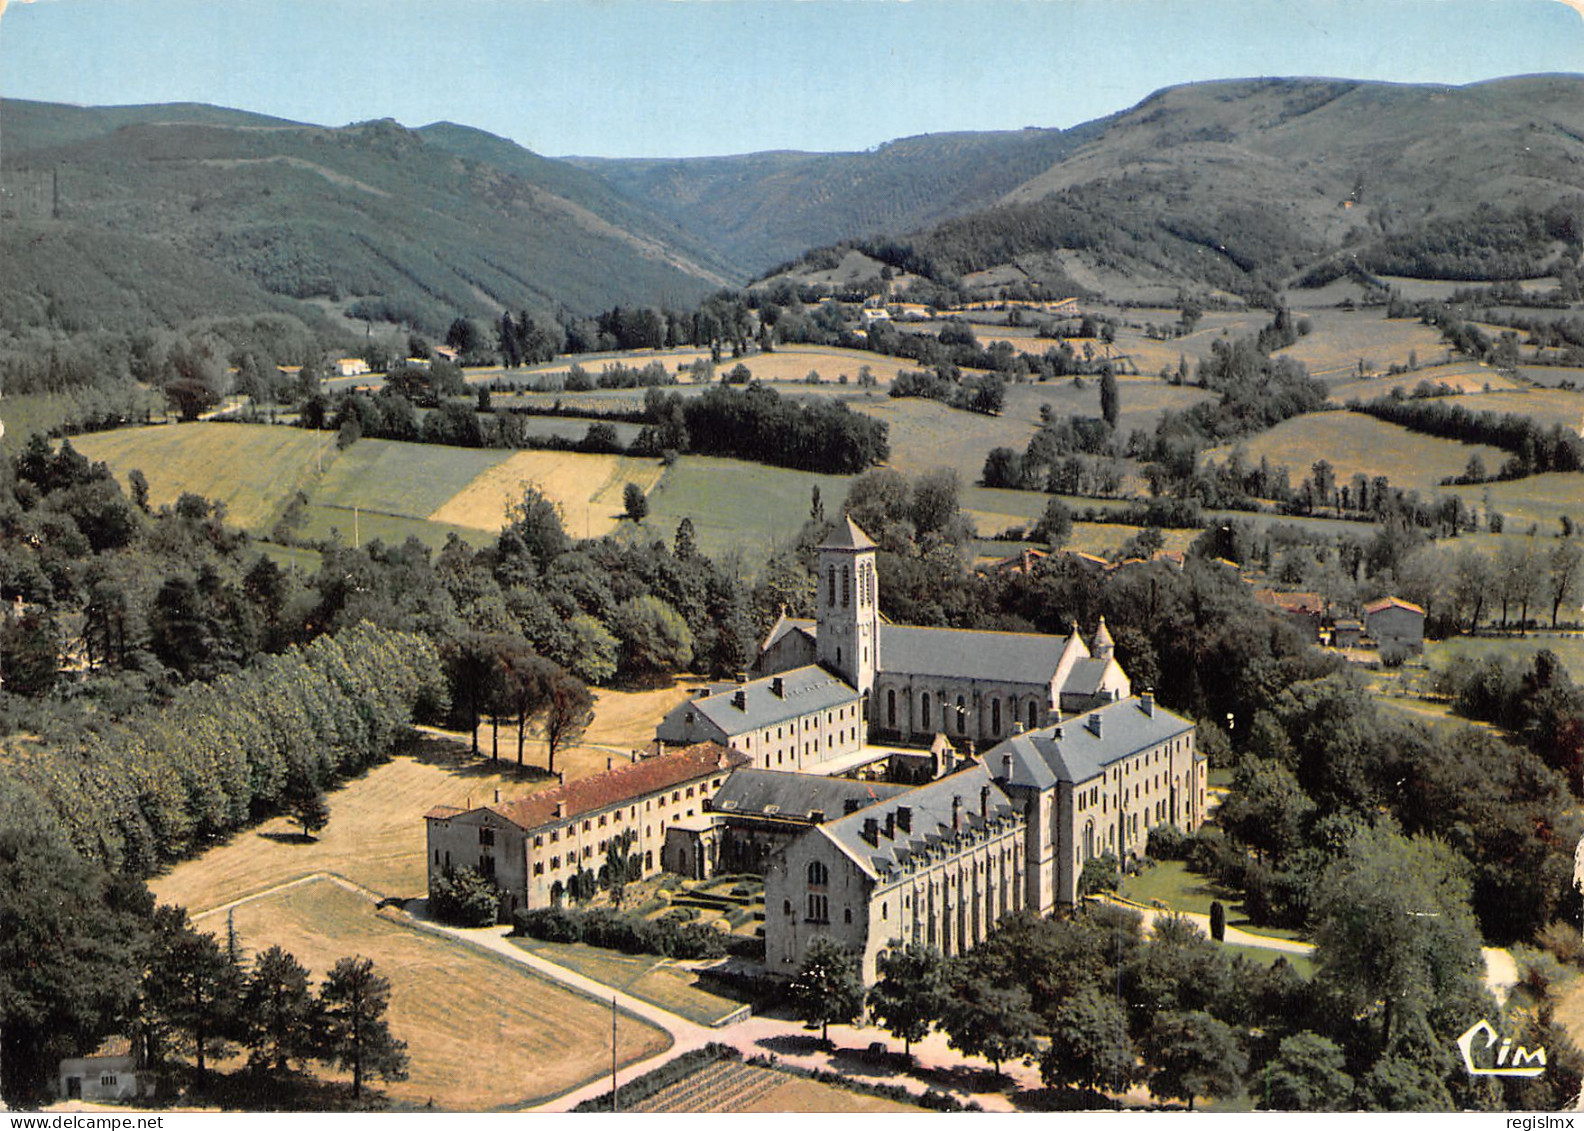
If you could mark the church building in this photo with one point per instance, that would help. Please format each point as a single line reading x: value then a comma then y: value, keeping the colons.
x: 974, y: 687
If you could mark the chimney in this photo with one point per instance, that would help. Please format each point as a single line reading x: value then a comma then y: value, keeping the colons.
x: 701, y: 693
x: 1017, y: 727
x: 816, y: 816
x: 560, y: 810
x: 740, y: 700
x: 904, y: 818
x: 1006, y: 766
x: 610, y: 763
x: 890, y: 828
x: 850, y: 806
x: 1147, y: 701
x: 1094, y: 724
x: 871, y: 830
x: 742, y: 676
x: 497, y: 797
x: 984, y: 804
x: 957, y: 813
x: 778, y: 687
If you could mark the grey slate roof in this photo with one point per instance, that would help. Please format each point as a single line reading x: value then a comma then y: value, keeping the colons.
x: 1085, y: 677
x: 847, y: 535
x: 1041, y: 758
x: 954, y: 653
x: 776, y: 793
x: 785, y: 627
x: 931, y: 820
x: 804, y: 690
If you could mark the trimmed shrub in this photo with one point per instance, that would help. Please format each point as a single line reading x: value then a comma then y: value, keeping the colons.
x: 464, y: 898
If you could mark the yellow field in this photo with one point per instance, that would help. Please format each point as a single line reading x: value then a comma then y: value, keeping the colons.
x: 252, y: 468
x: 588, y: 488
x: 1354, y: 443
x: 481, y: 1032
x: 1539, y: 500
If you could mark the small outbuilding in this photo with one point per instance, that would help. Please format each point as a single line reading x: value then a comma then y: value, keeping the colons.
x: 1395, y: 624
x: 109, y: 1075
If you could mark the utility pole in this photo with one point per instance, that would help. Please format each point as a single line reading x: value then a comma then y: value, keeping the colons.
x: 614, y: 1091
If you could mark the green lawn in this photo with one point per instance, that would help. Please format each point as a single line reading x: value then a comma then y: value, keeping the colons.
x: 364, y: 526
x: 1265, y: 956
x: 1173, y: 884
x: 644, y: 976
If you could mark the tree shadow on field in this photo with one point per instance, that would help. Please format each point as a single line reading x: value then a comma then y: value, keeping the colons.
x: 290, y: 838
x: 458, y: 757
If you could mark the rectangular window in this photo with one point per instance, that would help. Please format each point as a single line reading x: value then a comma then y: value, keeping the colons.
x: 602, y: 820
x: 487, y: 865
x: 538, y: 842
x: 486, y: 836
x: 538, y: 867
x: 555, y: 862
x: 690, y: 791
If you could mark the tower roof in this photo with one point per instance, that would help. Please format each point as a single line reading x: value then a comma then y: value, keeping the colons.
x: 847, y: 535
x: 1102, y: 637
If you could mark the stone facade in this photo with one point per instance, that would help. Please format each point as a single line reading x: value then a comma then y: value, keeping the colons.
x: 533, y: 847
x: 940, y: 864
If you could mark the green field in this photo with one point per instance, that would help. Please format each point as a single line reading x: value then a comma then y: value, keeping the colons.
x: 253, y: 469
x: 30, y: 413
x: 736, y: 505
x: 1339, y: 339
x: 1537, y: 500
x: 1568, y: 646
x: 1545, y: 406
x: 926, y: 434
x: 1552, y: 375
x: 1354, y: 443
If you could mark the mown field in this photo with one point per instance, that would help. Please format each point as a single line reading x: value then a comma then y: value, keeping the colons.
x: 1552, y: 375
x: 375, y: 836
x: 926, y: 434
x: 482, y: 1032
x: 253, y: 469
x: 1357, y: 444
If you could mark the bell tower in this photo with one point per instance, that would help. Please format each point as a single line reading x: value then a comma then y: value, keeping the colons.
x: 848, y: 604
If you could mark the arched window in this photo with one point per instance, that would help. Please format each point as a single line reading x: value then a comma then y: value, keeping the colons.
x: 995, y: 716
x: 818, y: 874
x: 846, y: 586
x: 891, y: 706
x: 830, y: 588
x: 786, y: 907
x: 924, y: 712
x: 962, y: 716
x: 1033, y: 714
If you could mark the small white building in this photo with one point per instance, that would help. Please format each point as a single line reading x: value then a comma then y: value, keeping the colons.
x: 109, y: 1075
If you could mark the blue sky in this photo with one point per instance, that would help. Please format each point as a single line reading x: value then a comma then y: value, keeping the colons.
x: 692, y: 77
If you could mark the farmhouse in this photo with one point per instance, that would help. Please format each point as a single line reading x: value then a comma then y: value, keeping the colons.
x: 350, y: 367
x: 1395, y: 624
x: 534, y: 847
x: 940, y: 864
x: 920, y: 682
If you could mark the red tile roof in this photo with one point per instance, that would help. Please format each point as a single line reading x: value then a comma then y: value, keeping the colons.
x: 613, y: 787
x: 1392, y: 603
